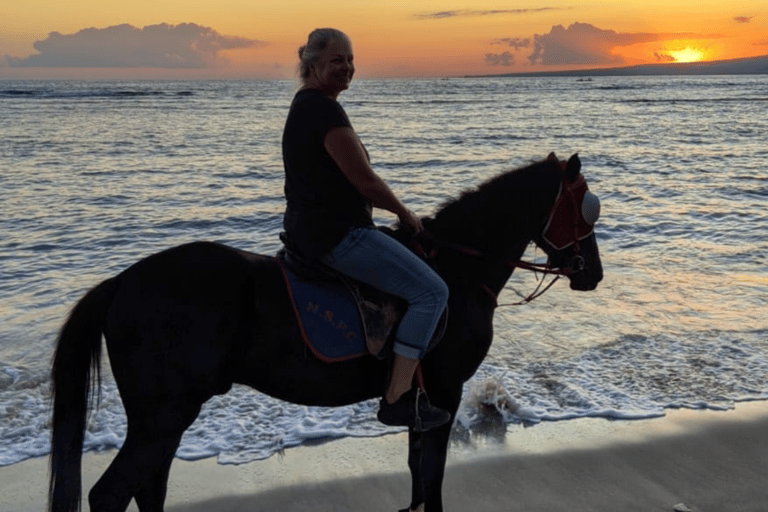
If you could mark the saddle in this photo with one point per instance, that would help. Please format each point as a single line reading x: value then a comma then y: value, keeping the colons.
x: 341, y: 318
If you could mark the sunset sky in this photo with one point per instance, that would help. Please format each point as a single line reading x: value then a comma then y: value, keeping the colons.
x: 391, y: 38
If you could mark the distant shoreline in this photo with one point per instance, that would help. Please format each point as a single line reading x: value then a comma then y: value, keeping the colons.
x: 745, y: 66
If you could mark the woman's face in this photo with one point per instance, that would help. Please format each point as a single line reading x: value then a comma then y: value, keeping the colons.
x: 333, y: 71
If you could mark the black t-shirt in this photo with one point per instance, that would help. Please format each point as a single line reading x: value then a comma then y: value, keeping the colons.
x: 322, y: 204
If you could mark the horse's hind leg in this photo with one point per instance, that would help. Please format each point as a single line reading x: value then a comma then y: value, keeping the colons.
x: 142, y: 466
x: 151, y: 494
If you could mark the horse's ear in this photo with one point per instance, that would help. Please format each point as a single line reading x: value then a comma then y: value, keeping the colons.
x: 551, y: 157
x: 573, y: 167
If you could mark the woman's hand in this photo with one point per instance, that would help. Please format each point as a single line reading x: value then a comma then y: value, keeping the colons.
x: 411, y: 221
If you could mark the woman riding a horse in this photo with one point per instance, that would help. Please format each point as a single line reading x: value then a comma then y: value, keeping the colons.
x: 330, y: 188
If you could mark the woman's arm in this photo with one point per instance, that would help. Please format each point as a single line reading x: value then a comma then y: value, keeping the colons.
x: 347, y: 151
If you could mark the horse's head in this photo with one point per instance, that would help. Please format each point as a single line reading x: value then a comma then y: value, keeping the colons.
x: 568, y: 236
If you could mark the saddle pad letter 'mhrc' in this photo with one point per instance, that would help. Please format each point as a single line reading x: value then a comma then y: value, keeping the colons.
x: 328, y: 318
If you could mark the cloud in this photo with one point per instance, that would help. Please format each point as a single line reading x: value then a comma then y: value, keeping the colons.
x: 664, y: 57
x: 585, y: 44
x: 514, y: 42
x: 475, y: 12
x: 499, y: 59
x: 123, y: 46
x: 742, y: 19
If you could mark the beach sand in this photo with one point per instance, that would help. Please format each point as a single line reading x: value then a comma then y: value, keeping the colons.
x: 709, y: 461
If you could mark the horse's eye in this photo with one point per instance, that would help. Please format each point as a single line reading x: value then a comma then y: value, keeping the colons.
x: 590, y: 208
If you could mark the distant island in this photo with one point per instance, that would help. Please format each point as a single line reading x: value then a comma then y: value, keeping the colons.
x: 745, y: 66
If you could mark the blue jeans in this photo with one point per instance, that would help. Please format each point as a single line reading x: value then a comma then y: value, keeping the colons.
x: 379, y: 260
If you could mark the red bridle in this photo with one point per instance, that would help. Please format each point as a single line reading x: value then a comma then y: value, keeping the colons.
x: 568, y: 222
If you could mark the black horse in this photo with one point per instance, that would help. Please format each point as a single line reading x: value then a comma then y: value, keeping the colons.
x: 185, y: 324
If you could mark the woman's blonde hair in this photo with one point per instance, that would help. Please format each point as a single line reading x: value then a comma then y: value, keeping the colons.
x: 317, y: 41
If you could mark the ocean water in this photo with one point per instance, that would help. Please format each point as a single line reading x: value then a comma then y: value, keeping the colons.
x: 96, y: 175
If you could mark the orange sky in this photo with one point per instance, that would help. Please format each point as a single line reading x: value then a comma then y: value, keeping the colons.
x: 392, y: 38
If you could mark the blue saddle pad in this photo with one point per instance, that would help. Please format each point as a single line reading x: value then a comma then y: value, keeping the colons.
x: 328, y: 316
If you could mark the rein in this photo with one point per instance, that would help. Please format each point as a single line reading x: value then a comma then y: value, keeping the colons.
x: 543, y: 268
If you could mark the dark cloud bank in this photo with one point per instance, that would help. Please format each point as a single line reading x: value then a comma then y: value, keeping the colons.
x: 577, y: 45
x: 166, y: 46
x: 580, y: 44
x: 583, y: 44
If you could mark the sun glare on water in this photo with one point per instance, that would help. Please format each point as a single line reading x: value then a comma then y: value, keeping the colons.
x: 687, y: 55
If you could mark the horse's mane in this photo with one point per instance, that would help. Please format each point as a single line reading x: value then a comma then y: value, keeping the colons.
x: 505, y: 210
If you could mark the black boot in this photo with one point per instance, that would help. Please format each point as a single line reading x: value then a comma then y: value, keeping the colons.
x: 412, y: 410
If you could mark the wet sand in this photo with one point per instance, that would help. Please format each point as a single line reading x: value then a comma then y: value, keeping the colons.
x: 709, y: 461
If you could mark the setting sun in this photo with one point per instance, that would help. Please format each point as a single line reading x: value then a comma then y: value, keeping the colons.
x: 687, y: 55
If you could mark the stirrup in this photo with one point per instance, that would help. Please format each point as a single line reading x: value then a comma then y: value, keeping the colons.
x: 413, y: 410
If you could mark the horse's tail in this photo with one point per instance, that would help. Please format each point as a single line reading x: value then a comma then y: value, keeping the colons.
x: 74, y: 372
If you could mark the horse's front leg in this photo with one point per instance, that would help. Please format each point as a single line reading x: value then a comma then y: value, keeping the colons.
x: 426, y: 460
x: 434, y: 450
x: 427, y: 452
x: 414, y: 464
